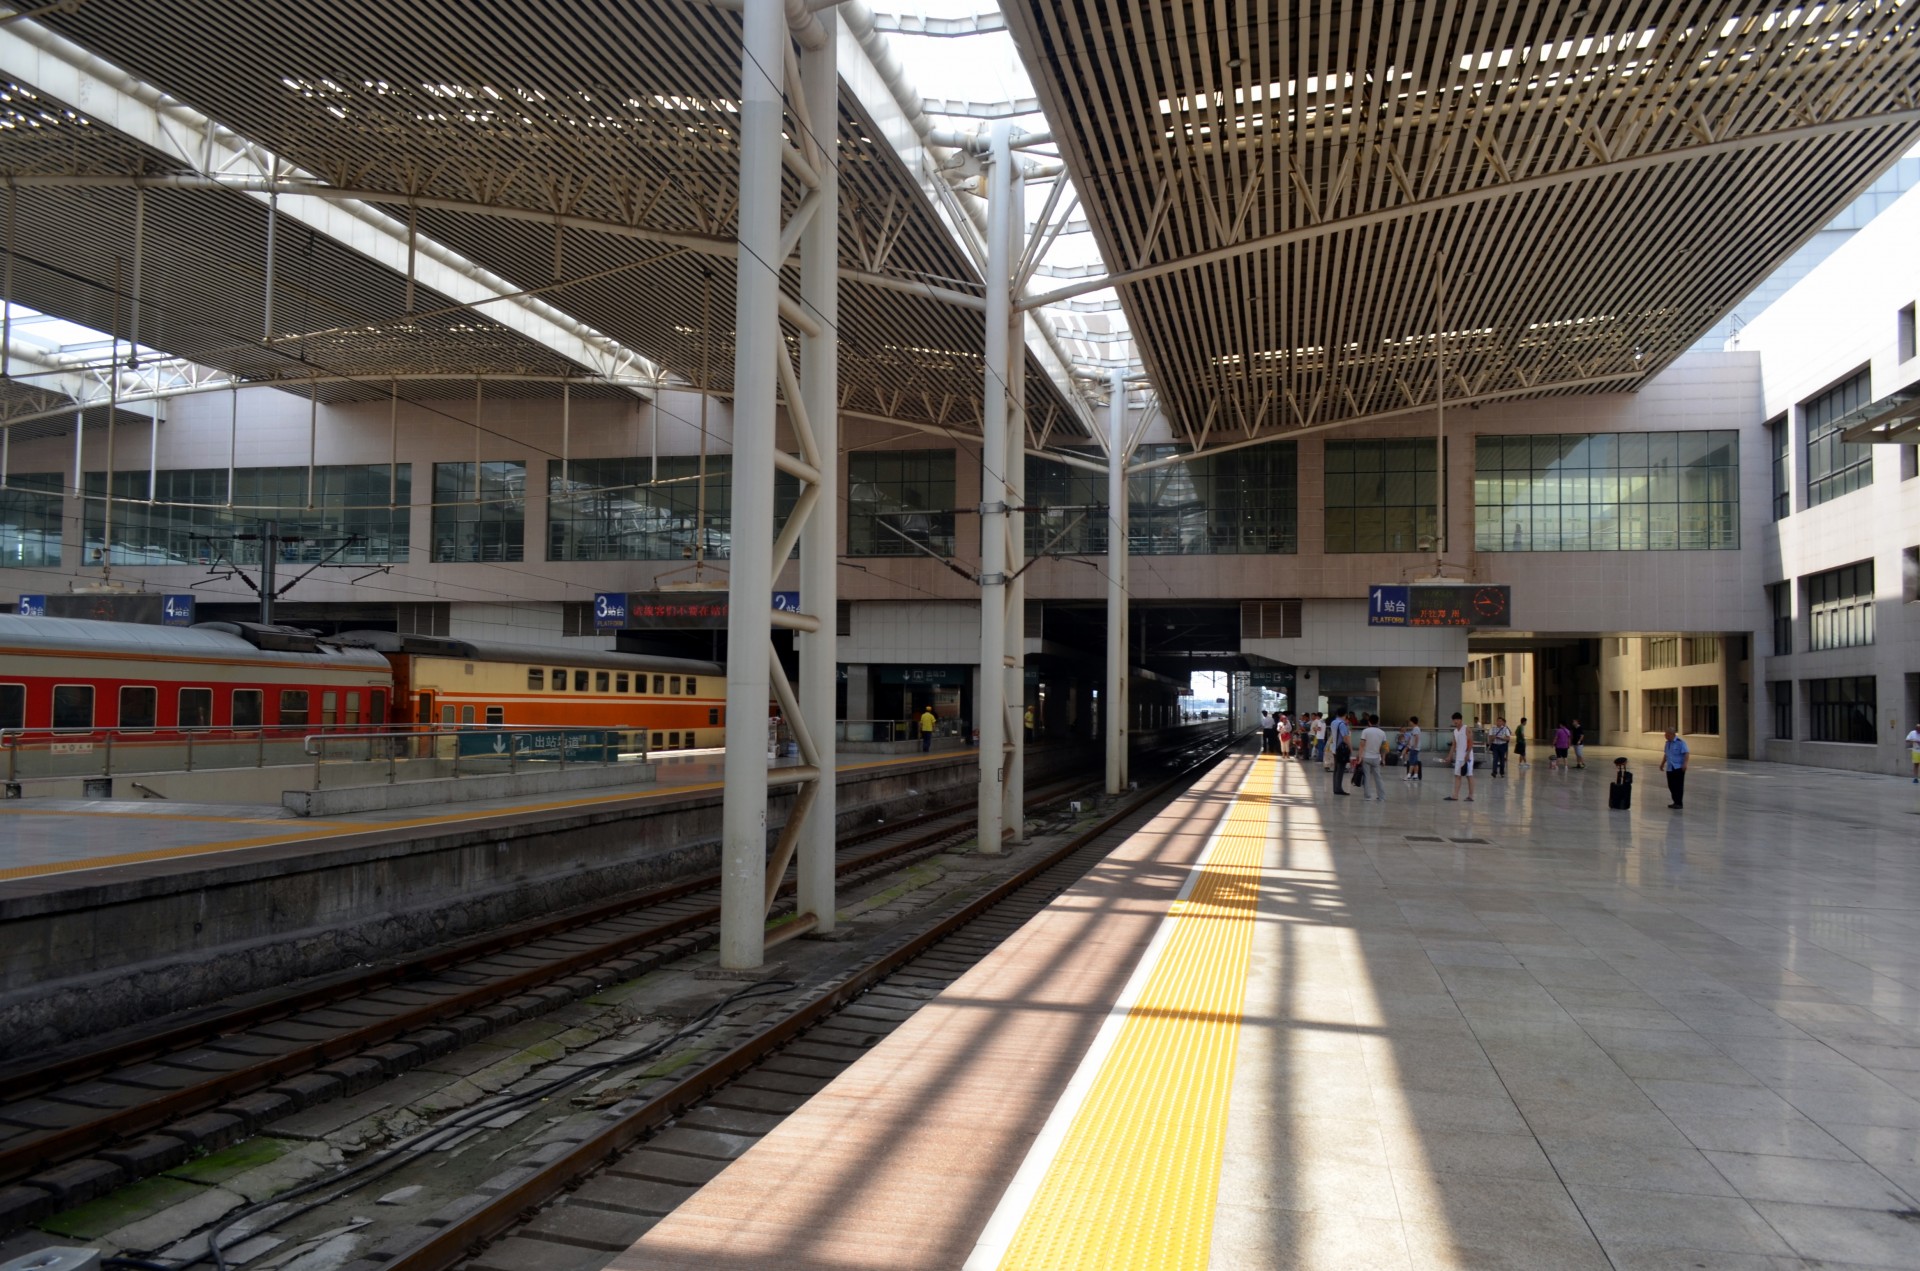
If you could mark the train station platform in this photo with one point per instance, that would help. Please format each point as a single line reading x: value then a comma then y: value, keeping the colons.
x: 116, y: 913
x: 44, y: 837
x: 1284, y: 1029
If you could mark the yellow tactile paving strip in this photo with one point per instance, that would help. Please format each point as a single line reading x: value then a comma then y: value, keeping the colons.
x: 320, y: 832
x: 1135, y: 1181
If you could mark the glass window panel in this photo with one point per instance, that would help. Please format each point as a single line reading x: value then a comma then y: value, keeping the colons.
x: 900, y: 503
x: 1389, y: 504
x: 1580, y: 488
x: 30, y: 520
x: 73, y: 706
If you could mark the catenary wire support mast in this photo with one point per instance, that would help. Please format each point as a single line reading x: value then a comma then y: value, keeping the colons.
x: 991, y: 708
x: 775, y: 82
x: 1014, y: 786
x: 1113, y: 707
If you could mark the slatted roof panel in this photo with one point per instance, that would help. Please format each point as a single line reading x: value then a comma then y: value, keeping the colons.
x: 617, y: 112
x: 203, y: 276
x: 1542, y: 197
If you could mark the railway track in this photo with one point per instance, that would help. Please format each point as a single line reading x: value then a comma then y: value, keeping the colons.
x: 747, y: 1089
x: 85, y: 1125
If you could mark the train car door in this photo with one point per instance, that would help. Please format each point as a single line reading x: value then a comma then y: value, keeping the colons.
x: 423, y: 711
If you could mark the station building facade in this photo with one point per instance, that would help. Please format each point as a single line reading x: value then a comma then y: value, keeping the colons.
x: 1703, y: 553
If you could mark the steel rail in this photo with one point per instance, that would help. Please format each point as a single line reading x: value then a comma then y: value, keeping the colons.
x: 67, y: 1143
x: 453, y: 1243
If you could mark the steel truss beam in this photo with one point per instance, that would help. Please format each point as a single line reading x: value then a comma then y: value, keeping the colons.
x: 775, y: 83
x: 61, y: 69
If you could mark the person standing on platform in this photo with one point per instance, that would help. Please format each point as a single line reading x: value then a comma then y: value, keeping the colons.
x: 1411, y: 755
x: 1674, y: 762
x: 1520, y: 742
x: 1562, y: 742
x: 1373, y: 754
x: 1319, y: 738
x: 1266, y: 732
x: 1913, y: 751
x: 1339, y: 734
x: 1460, y: 755
x: 1577, y: 736
x: 1029, y: 723
x: 927, y: 722
x: 1497, y: 742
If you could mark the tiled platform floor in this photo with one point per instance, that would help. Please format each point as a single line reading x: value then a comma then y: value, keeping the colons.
x: 1641, y: 1040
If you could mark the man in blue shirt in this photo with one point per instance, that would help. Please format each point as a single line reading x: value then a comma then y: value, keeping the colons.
x: 1338, y: 745
x: 1674, y: 762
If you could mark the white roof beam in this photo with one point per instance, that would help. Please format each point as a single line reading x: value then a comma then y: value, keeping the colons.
x: 115, y: 99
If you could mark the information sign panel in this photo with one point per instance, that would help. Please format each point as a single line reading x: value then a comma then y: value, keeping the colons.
x: 1439, y: 605
x: 32, y: 607
x: 1386, y: 606
x: 609, y: 610
x: 176, y: 611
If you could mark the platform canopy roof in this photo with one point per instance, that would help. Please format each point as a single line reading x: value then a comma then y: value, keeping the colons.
x: 522, y: 194
x: 1310, y: 213
x: 1317, y: 213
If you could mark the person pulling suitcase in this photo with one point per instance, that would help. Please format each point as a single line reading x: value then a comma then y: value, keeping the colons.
x: 1620, y: 793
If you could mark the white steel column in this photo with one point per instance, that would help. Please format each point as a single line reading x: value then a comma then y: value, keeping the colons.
x: 819, y: 386
x: 749, y: 621
x: 1113, y: 700
x: 1015, y: 797
x: 991, y: 709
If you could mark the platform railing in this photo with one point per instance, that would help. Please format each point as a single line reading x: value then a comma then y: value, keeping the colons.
x: 399, y: 755
x: 871, y: 730
x: 42, y: 753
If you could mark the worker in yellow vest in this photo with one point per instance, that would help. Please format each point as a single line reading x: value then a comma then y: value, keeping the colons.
x: 926, y: 729
x: 1029, y: 722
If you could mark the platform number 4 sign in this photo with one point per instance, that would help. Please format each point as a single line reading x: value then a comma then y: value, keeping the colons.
x: 176, y: 611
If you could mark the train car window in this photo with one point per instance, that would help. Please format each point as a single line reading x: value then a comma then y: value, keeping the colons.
x: 620, y: 682
x: 659, y: 741
x: 602, y: 681
x: 659, y: 683
x: 353, y: 710
x: 673, y: 741
x: 377, y: 716
x: 139, y: 707
x: 247, y: 712
x: 466, y: 714
x: 13, y: 706
x: 536, y: 678
x: 693, y: 687
x: 674, y: 685
x: 496, y: 714
x: 293, y: 707
x: 713, y: 715
x: 579, y: 681
x: 329, y: 709
x: 196, y: 708
x: 73, y: 706
x: 448, y: 716
x: 559, y: 680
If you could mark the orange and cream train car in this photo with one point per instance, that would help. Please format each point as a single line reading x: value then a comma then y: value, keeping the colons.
x: 446, y: 683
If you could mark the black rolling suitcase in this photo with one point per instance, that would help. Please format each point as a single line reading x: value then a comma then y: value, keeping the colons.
x: 1620, y: 793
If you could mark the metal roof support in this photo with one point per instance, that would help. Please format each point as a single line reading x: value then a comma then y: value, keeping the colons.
x: 819, y: 563
x: 749, y: 876
x: 1013, y: 815
x: 111, y: 96
x: 991, y: 698
x: 1113, y: 701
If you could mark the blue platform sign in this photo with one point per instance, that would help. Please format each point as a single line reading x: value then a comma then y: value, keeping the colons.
x: 1386, y: 606
x: 176, y: 611
x: 609, y: 610
x: 786, y: 601
x: 32, y: 607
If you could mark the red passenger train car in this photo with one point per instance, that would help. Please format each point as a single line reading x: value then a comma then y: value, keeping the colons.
x: 76, y: 676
